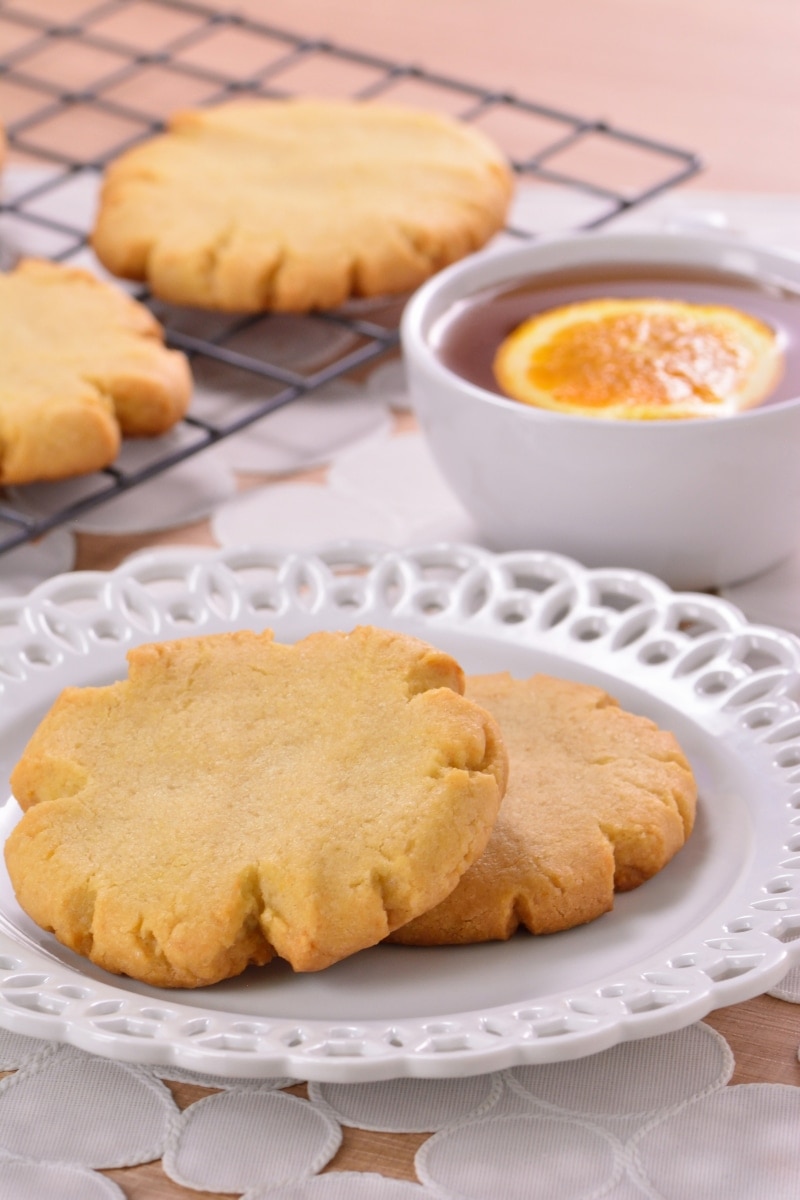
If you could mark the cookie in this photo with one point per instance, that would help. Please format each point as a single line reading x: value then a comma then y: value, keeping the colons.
x: 640, y: 359
x: 83, y: 363
x: 295, y: 205
x: 237, y: 798
x: 598, y: 800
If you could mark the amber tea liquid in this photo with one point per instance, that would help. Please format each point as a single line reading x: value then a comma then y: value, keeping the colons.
x: 467, y: 337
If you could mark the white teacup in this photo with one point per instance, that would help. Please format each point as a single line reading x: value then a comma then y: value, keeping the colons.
x: 700, y: 502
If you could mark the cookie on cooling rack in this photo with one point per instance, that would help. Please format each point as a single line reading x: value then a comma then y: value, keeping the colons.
x: 236, y: 798
x: 599, y: 799
x: 82, y: 363
x: 295, y: 205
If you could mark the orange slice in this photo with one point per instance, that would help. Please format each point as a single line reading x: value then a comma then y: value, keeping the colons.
x: 640, y: 359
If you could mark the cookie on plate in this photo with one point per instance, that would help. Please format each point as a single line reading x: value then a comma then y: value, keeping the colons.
x: 295, y: 205
x: 237, y: 798
x: 598, y: 800
x: 82, y: 363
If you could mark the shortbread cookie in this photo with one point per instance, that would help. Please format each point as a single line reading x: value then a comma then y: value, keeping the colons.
x: 298, y: 204
x: 82, y: 362
x: 236, y: 798
x: 598, y: 800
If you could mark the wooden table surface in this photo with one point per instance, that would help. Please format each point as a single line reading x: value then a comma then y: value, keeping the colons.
x: 716, y: 76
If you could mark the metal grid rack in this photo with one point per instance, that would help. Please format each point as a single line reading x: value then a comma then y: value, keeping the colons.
x: 104, y: 95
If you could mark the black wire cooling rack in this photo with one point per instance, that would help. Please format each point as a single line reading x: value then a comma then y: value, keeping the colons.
x: 94, y: 68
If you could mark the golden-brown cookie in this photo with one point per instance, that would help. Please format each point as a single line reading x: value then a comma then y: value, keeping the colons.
x: 82, y: 362
x: 236, y: 798
x: 298, y: 204
x: 598, y: 800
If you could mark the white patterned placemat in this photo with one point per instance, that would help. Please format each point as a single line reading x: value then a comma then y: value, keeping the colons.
x: 652, y: 1118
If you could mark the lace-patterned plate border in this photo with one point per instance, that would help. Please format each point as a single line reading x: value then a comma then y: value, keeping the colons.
x: 718, y: 926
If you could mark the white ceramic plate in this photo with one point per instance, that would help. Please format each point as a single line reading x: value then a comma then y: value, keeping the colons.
x: 720, y: 924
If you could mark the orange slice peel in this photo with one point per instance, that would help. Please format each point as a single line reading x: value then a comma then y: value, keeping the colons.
x: 640, y: 359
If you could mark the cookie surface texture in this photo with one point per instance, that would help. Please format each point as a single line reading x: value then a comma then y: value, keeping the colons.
x: 294, y: 205
x: 598, y: 800
x: 236, y: 798
x: 83, y: 363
